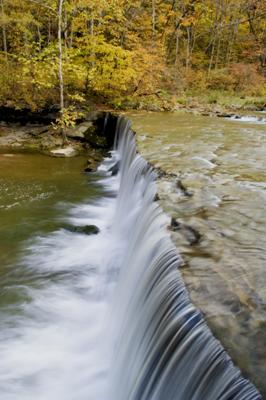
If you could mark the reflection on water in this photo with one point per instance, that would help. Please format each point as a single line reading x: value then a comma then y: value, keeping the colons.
x: 222, y: 162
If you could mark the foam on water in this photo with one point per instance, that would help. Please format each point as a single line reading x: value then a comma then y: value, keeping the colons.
x: 249, y: 118
x: 53, y: 346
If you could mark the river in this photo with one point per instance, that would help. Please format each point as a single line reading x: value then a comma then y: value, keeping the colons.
x: 56, y: 285
x: 222, y: 163
x: 48, y: 310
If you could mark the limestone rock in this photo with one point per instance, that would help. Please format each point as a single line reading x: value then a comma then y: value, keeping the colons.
x: 80, y: 131
x: 68, y: 151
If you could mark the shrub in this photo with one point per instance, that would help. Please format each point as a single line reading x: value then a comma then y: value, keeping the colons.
x: 220, y: 80
x: 195, y: 80
x: 246, y: 78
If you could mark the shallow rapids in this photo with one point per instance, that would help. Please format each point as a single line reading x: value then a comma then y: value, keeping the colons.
x: 221, y: 164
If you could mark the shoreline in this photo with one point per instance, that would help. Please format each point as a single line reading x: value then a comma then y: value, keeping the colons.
x: 26, y: 131
x: 90, y: 138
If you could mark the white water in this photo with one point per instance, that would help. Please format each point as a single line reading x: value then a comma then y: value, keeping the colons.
x: 54, y: 350
x: 118, y: 324
x: 249, y: 118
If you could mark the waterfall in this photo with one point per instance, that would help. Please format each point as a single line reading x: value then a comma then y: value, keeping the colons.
x: 162, y: 347
x: 107, y: 316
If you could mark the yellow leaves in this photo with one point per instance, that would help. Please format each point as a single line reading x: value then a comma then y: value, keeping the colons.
x: 149, y: 66
x: 115, y: 48
x: 77, y: 97
x: 112, y: 71
x: 69, y: 116
x: 188, y: 21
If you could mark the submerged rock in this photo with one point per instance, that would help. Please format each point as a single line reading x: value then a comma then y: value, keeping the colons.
x: 161, y: 173
x: 92, y: 164
x: 89, y: 169
x: 191, y: 234
x: 115, y: 168
x: 86, y: 229
x: 180, y: 186
x: 175, y: 225
x: 225, y: 115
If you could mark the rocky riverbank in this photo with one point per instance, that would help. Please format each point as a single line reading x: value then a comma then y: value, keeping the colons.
x: 92, y: 136
x: 207, y: 102
x: 220, y: 111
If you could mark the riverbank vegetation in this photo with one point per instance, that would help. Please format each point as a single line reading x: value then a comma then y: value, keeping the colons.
x: 131, y: 54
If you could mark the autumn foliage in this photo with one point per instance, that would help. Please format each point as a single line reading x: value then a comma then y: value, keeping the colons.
x: 120, y: 51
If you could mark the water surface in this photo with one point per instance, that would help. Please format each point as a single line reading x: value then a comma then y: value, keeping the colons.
x: 32, y: 190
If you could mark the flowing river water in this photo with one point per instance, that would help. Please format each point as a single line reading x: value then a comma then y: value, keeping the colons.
x: 56, y: 284
x: 222, y: 163
x: 47, y: 313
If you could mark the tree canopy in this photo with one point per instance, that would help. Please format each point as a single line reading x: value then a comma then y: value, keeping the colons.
x: 122, y: 49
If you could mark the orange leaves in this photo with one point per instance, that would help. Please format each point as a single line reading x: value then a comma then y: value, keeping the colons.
x: 189, y: 21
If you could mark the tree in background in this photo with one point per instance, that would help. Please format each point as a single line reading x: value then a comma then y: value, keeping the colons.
x: 116, y: 51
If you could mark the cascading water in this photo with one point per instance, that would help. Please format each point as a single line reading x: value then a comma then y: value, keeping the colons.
x: 108, y: 317
x: 163, y: 347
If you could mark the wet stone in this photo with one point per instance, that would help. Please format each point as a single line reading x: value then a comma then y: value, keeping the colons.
x: 156, y: 197
x: 68, y: 151
x: 86, y: 229
x: 180, y: 186
x: 92, y: 164
x: 175, y: 225
x: 115, y: 169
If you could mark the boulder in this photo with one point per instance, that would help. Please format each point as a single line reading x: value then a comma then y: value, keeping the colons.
x: 92, y: 164
x: 80, y: 131
x: 68, y: 151
x: 104, y: 134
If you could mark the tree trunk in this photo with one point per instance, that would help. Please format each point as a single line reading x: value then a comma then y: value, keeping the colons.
x: 49, y: 32
x: 212, y: 56
x: 153, y: 19
x: 188, y: 48
x: 176, y: 47
x: 60, y: 65
x: 216, y: 64
x: 91, y: 64
x: 39, y: 37
x: 4, y: 29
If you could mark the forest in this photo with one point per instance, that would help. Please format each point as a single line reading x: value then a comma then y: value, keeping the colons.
x: 123, y: 53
